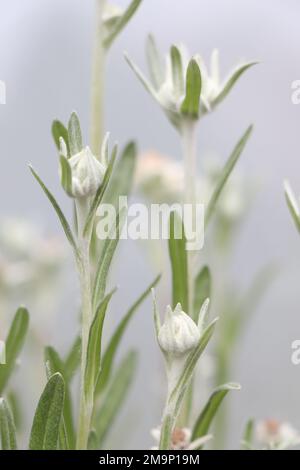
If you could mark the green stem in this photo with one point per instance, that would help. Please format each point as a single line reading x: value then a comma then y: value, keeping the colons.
x: 86, y: 399
x: 189, y: 150
x: 97, y: 87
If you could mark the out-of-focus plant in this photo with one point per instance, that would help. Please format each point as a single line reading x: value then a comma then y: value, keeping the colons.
x: 269, y: 434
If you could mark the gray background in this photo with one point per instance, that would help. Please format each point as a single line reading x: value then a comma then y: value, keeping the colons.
x: 45, y: 55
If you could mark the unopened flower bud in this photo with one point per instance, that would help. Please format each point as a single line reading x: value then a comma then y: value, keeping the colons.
x: 87, y: 173
x: 179, y: 333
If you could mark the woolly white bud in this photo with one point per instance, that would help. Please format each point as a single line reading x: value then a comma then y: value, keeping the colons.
x: 87, y: 173
x: 179, y: 333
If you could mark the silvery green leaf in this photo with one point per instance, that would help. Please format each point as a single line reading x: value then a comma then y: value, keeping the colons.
x: 56, y: 364
x: 74, y: 133
x: 155, y: 65
x: 147, y: 85
x: 104, y: 154
x: 7, y: 427
x: 111, y: 350
x: 106, y: 257
x: 178, y: 258
x: 190, y: 104
x: 13, y: 344
x: 14, y: 404
x: 46, y: 423
x: 222, y: 179
x: 59, y: 130
x: 120, y: 23
x: 191, y: 362
x: 59, y: 212
x: 115, y: 395
x: 157, y: 322
x: 72, y: 361
x: 65, y: 175
x: 177, y: 71
x: 231, y: 81
x: 100, y: 193
x: 209, y: 411
x: 292, y: 204
x: 93, y: 358
x: 248, y: 435
x: 202, y: 289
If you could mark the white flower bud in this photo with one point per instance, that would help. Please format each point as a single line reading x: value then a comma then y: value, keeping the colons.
x: 179, y: 333
x: 87, y: 173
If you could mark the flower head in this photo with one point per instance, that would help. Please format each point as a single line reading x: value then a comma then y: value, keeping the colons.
x: 179, y: 334
x: 181, y: 439
x: 86, y: 172
x: 277, y: 435
x: 183, y: 86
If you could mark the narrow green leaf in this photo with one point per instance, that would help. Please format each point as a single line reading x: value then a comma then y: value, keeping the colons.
x: 74, y: 133
x: 178, y: 258
x: 106, y: 257
x: 55, y: 364
x: 154, y: 62
x: 190, y: 104
x: 209, y: 411
x: 58, y: 131
x: 100, y: 193
x: 7, y: 427
x: 57, y: 209
x: 231, y: 81
x: 93, y: 358
x: 115, y: 395
x: 292, y: 204
x: 248, y: 435
x: 110, y: 352
x: 72, y: 361
x: 146, y: 84
x: 13, y: 344
x: 46, y: 423
x: 65, y: 175
x: 202, y: 289
x: 14, y: 404
x: 191, y: 362
x: 121, y: 22
x: 177, y: 71
x: 229, y: 166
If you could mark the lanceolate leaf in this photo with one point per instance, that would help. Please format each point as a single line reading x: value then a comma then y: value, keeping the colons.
x: 202, y: 289
x: 7, y: 427
x: 190, y: 105
x: 154, y: 62
x: 100, y: 193
x: 74, y: 133
x: 57, y: 209
x: 110, y: 352
x: 208, y: 413
x: 121, y: 23
x: 115, y: 395
x: 248, y: 435
x: 65, y: 175
x: 178, y: 258
x: 48, y: 415
x: 229, y: 166
x: 58, y: 131
x: 93, y: 358
x: 72, y: 361
x: 177, y: 71
x: 13, y: 344
x: 55, y: 364
x: 231, y: 81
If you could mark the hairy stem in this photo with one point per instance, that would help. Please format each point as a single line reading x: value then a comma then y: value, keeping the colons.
x: 97, y: 87
x: 86, y: 399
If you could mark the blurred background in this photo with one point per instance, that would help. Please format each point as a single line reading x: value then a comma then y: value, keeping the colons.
x: 45, y: 61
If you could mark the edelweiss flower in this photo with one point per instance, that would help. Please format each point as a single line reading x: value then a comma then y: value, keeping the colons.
x: 87, y: 173
x: 168, y: 82
x: 181, y: 439
x: 277, y: 435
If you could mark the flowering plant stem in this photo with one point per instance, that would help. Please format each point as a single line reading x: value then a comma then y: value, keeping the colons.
x: 189, y: 151
x: 97, y: 86
x: 86, y: 398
